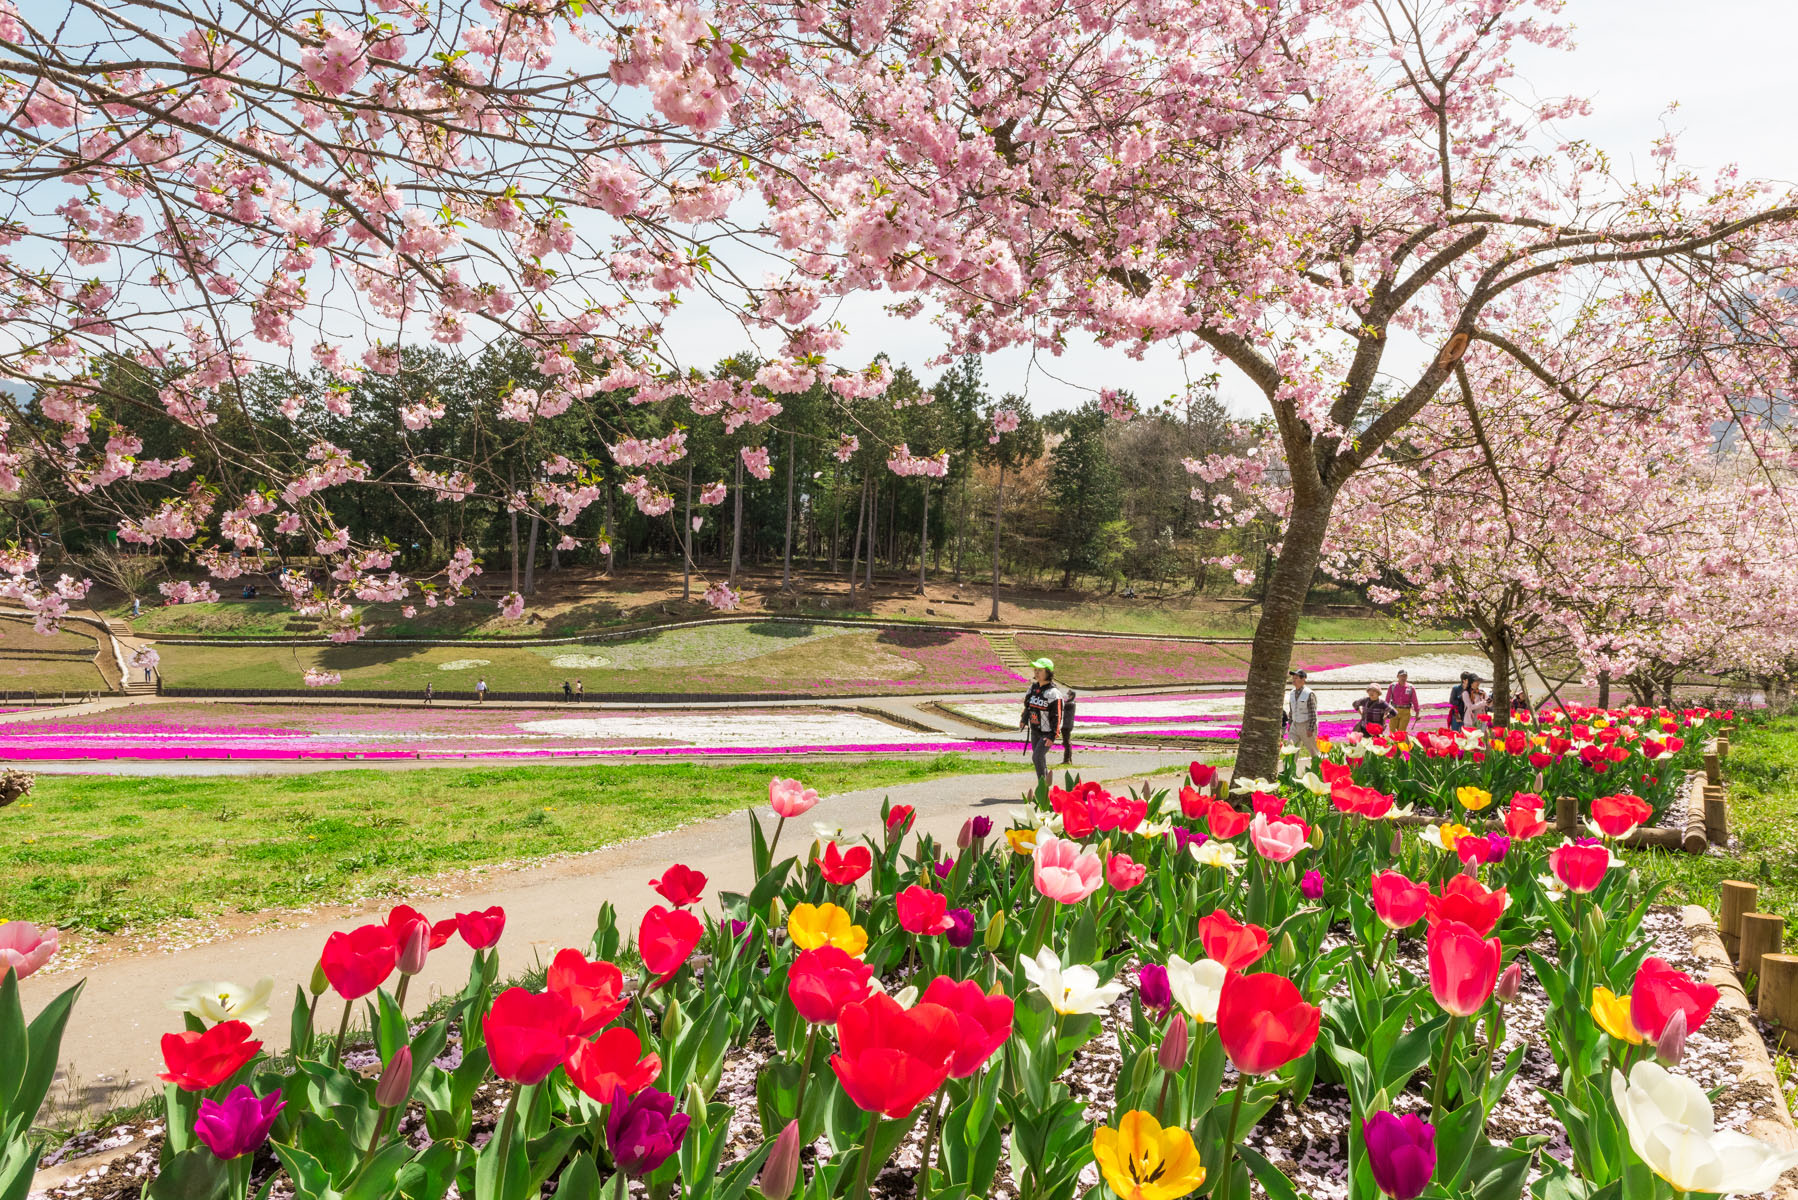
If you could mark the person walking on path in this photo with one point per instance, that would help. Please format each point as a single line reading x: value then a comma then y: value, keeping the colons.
x: 430, y: 690
x: 480, y: 692
x: 1376, y: 714
x: 1474, y: 702
x: 1067, y: 726
x: 1301, y: 719
x: 1042, y: 715
x: 567, y: 692
x: 1401, y: 698
x: 1456, y: 712
x: 580, y: 690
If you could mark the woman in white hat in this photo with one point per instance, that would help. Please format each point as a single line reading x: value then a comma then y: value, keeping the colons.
x: 1042, y: 715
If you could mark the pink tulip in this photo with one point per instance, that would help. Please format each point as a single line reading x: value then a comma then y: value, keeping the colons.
x: 1276, y: 841
x: 24, y: 947
x: 1064, y: 873
x: 790, y: 798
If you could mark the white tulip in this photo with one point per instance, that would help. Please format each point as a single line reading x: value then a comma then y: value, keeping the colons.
x: 1673, y: 1129
x: 1552, y: 887
x: 1215, y: 853
x: 1073, y: 989
x: 1196, y: 986
x: 1311, y: 783
x: 1243, y: 787
x: 214, y: 1002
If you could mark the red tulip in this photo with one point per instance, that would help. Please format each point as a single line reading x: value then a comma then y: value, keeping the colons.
x: 1473, y: 848
x: 1465, y: 899
x: 442, y: 931
x: 1463, y: 967
x: 530, y: 1034
x: 612, y: 1061
x: 197, y: 1061
x: 1523, y: 822
x: 891, y: 1058
x: 680, y: 885
x: 1201, y: 774
x: 404, y: 916
x: 844, y: 866
x: 923, y: 911
x: 823, y: 982
x: 1194, y: 804
x: 899, y: 819
x: 1541, y: 760
x: 1224, y: 822
x: 1267, y: 803
x: 595, y: 990
x: 358, y: 962
x: 1660, y: 991
x: 1231, y: 942
x: 1581, y: 866
x: 1334, y: 773
x: 1123, y: 872
x: 1617, y: 815
x: 481, y: 929
x: 666, y: 939
x: 985, y: 1020
x: 1397, y: 901
x: 1263, y: 1022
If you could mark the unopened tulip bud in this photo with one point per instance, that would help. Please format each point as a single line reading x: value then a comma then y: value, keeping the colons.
x: 780, y: 1173
x: 965, y: 838
x: 319, y: 983
x: 1398, y: 841
x: 1509, y: 984
x: 1172, y: 1054
x: 1671, y: 1047
x: 414, y: 948
x: 396, y: 1079
x: 995, y: 930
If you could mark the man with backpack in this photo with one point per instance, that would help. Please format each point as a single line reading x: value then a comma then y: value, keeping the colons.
x: 1067, y: 726
x: 1042, y: 715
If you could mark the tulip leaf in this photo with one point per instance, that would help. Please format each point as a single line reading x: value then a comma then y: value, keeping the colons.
x: 1273, y: 1181
x: 429, y: 1176
x: 544, y: 1155
x: 299, y: 1025
x: 606, y: 938
x: 310, y: 1179
x: 734, y: 1183
x: 1497, y: 1172
x: 374, y: 1181
x: 1457, y: 1133
x: 194, y: 1175
x: 768, y: 885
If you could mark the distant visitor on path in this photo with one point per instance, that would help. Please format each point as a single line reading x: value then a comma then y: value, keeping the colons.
x: 1042, y: 715
x: 1520, y: 702
x: 1401, y: 698
x: 1376, y: 714
x: 1457, y: 710
x: 1067, y: 725
x: 1301, y: 718
x: 1474, y: 702
x: 430, y: 691
x: 567, y: 692
x: 480, y: 692
x: 580, y: 690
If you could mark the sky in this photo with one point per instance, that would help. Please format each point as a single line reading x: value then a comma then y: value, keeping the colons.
x: 1726, y: 63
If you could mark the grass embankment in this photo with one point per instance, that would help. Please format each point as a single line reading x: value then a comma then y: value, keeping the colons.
x: 1762, y: 775
x: 102, y: 852
x: 63, y: 661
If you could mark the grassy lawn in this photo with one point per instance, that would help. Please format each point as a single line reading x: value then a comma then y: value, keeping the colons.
x: 1762, y: 775
x: 102, y: 853
x: 31, y: 662
x: 792, y: 658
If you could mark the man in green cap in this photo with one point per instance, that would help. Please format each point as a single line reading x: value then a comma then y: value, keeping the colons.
x: 1042, y: 715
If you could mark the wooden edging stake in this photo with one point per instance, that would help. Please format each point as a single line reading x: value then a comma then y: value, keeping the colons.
x: 1734, y: 899
x: 1779, y: 996
x: 1762, y: 934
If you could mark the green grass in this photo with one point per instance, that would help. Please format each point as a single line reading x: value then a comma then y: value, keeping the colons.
x: 102, y: 853
x: 1762, y: 775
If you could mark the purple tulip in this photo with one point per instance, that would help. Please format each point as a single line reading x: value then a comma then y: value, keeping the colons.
x: 944, y: 867
x: 1154, y: 990
x: 643, y: 1131
x: 240, y: 1124
x: 1311, y: 887
x: 961, y: 933
x: 738, y: 928
x: 1501, y: 846
x: 1402, y: 1152
x: 983, y: 826
x: 1184, y: 837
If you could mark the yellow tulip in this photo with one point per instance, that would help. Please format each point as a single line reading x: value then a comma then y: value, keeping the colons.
x: 814, y: 925
x: 1473, y: 799
x: 1611, y: 1011
x: 1023, y: 841
x: 1143, y: 1161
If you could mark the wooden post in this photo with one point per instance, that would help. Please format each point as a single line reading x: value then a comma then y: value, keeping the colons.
x: 1567, y: 814
x: 1779, y: 995
x: 1734, y: 900
x: 1722, y: 746
x: 1713, y: 770
x: 1716, y: 818
x: 1762, y: 934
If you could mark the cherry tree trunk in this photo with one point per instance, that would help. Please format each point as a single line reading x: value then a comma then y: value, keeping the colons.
x: 686, y: 540
x: 855, y: 553
x: 786, y: 552
x: 530, y: 558
x: 1604, y: 689
x: 998, y: 524
x: 924, y: 537
x: 1258, y: 753
x: 736, y: 523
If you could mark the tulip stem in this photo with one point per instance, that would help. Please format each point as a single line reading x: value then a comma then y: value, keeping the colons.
x: 1242, y: 1083
x: 624, y: 1187
x: 343, y: 1029
x: 505, y: 1134
x: 305, y: 1044
x: 931, y: 1120
x: 1495, y: 1032
x: 1439, y: 1086
x: 779, y: 826
x: 399, y: 995
x: 805, y: 1074
x: 861, y: 1187
x: 1167, y: 1077
x: 375, y: 1138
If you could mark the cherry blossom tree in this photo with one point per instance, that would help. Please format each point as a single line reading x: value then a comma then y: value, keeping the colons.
x: 1293, y: 188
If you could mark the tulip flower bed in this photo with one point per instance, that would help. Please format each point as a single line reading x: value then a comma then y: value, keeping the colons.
x: 1148, y: 996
